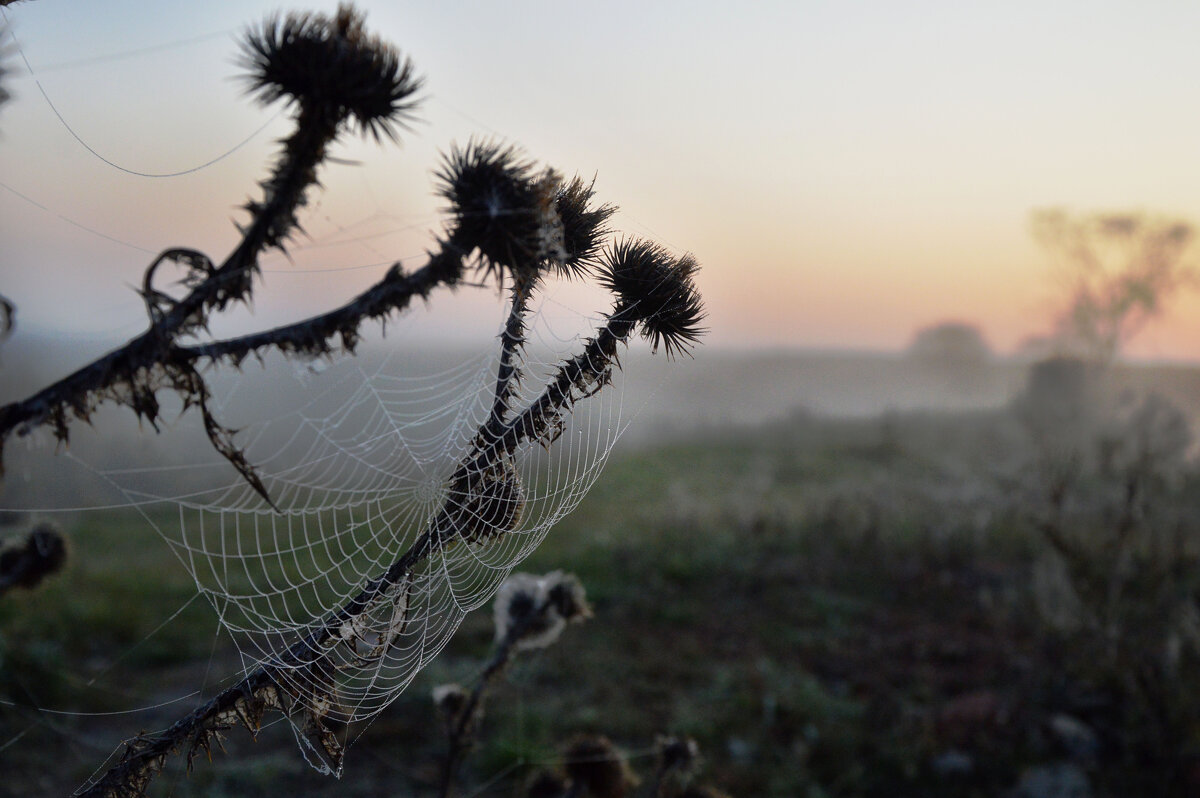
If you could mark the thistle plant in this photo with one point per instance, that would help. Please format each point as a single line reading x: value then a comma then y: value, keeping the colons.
x: 530, y: 613
x: 594, y: 766
x: 39, y: 554
x: 509, y: 220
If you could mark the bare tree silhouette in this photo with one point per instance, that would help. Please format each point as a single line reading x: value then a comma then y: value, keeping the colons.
x: 1120, y: 268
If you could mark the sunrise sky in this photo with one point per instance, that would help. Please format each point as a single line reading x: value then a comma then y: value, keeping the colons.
x: 845, y: 172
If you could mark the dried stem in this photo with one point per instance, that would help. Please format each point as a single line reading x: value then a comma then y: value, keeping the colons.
x: 462, y: 730
x: 266, y: 688
x: 512, y: 339
x: 519, y: 223
x: 334, y: 74
x: 316, y: 335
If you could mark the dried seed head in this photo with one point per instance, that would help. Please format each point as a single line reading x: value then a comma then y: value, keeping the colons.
x: 450, y: 699
x: 43, y: 552
x: 657, y: 290
x: 334, y: 67
x: 531, y: 611
x: 594, y: 762
x: 584, y: 226
x: 522, y: 613
x: 567, y: 596
x: 503, y: 207
x: 494, y: 506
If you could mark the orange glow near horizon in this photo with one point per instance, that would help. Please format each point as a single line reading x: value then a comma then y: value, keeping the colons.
x: 845, y: 176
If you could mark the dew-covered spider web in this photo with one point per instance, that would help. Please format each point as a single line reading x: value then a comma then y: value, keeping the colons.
x: 356, y: 456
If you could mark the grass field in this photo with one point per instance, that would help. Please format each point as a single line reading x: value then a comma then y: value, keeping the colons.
x: 830, y: 608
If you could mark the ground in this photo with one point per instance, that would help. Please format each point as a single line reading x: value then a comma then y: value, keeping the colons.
x: 830, y: 608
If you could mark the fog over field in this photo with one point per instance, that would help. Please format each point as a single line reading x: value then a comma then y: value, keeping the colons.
x: 713, y: 391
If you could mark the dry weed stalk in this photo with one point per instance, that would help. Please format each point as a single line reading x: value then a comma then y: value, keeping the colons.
x: 507, y: 219
x: 530, y: 613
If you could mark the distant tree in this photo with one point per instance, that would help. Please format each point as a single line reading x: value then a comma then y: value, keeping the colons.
x: 1120, y: 268
x: 950, y: 342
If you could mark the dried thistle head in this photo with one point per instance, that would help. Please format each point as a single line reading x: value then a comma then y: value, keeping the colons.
x: 494, y: 506
x: 332, y: 65
x: 42, y: 553
x: 657, y: 290
x: 522, y: 614
x: 503, y: 207
x: 531, y: 611
x: 584, y: 225
x: 595, y: 762
x: 450, y: 700
x: 567, y: 596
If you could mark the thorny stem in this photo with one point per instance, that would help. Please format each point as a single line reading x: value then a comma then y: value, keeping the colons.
x: 464, y: 724
x: 392, y: 293
x: 511, y: 341
x: 264, y: 688
x: 152, y: 361
x: 272, y: 221
x: 141, y: 355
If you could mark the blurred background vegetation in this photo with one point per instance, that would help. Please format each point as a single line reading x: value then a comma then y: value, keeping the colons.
x: 997, y: 601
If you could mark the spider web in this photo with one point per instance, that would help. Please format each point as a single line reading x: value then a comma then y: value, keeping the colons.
x: 358, y: 470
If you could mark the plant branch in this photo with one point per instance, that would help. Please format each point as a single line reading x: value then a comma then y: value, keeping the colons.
x: 512, y: 339
x: 463, y: 728
x: 315, y: 335
x: 269, y: 687
x: 133, y: 373
x: 336, y: 76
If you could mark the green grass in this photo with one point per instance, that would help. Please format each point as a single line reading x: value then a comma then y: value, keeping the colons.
x: 119, y: 585
x: 813, y: 601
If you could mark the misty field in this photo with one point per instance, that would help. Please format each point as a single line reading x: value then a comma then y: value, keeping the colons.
x: 993, y: 602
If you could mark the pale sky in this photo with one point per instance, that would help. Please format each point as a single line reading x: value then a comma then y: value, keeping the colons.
x: 845, y: 172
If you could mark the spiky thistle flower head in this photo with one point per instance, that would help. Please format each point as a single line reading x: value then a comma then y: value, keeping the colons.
x: 504, y: 207
x: 584, y: 225
x: 332, y: 66
x: 43, y: 552
x: 657, y: 290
